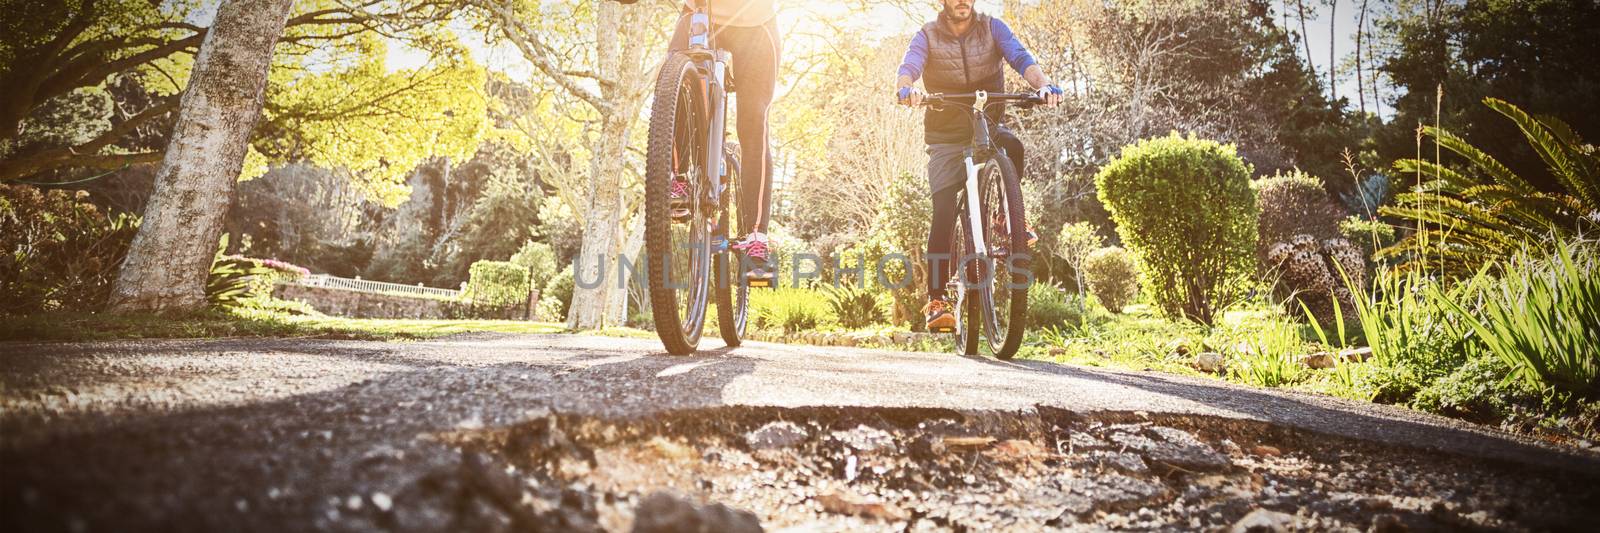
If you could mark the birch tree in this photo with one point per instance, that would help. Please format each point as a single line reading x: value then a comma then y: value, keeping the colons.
x: 168, y: 262
x: 609, y: 73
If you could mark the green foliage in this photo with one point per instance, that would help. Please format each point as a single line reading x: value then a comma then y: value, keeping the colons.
x: 1074, y: 243
x: 497, y: 283
x: 1369, y: 235
x: 352, y: 112
x: 559, y: 290
x: 1476, y: 391
x: 1184, y: 208
x: 1050, y: 307
x: 903, y: 222
x: 1415, y: 334
x: 268, y: 304
x: 1538, y: 54
x: 540, y: 260
x: 855, y: 307
x: 58, y: 252
x: 1271, y: 358
x: 1542, y: 318
x: 1293, y: 204
x: 789, y: 309
x: 1470, y: 218
x: 502, y: 216
x: 1112, y: 277
x: 232, y: 280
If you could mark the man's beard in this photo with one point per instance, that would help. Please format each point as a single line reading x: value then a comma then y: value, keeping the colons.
x: 951, y: 13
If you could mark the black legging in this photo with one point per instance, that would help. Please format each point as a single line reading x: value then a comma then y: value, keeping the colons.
x: 756, y: 51
x: 942, y: 232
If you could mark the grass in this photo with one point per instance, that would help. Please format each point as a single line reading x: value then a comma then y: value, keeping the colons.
x: 1259, y: 345
x: 246, y: 323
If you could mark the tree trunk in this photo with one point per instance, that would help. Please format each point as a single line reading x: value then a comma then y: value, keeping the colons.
x: 597, y: 258
x: 1333, y: 59
x: 170, y: 258
x: 622, y: 43
x: 1305, y: 38
x: 1361, y: 83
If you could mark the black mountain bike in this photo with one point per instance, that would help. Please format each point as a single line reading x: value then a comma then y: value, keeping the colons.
x: 989, y: 270
x: 686, y: 246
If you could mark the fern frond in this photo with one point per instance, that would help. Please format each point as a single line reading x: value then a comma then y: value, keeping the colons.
x: 1550, y: 149
x: 1441, y: 172
x: 1484, y: 162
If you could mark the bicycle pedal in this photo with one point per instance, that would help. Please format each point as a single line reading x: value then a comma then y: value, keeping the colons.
x: 947, y: 329
x: 760, y: 283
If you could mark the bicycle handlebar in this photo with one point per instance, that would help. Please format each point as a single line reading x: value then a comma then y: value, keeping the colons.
x: 1020, y: 99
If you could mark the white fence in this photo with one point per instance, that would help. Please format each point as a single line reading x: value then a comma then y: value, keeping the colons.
x: 324, y: 280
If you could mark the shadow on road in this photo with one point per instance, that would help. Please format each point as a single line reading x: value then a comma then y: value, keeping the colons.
x: 266, y: 465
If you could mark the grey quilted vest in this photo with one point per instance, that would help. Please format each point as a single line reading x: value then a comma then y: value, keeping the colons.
x: 956, y: 64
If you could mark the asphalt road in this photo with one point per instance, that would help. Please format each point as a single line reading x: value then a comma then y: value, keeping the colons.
x: 271, y: 433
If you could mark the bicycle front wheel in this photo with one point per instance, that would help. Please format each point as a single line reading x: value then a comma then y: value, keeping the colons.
x: 1003, y: 293
x: 965, y: 268
x: 678, y: 234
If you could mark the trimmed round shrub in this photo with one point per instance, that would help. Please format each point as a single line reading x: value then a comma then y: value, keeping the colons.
x: 1184, y: 208
x: 1112, y: 277
x: 1294, y: 204
x: 497, y: 283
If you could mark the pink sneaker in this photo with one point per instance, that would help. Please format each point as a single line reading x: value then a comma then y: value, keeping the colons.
x: 678, y: 200
x: 755, y: 247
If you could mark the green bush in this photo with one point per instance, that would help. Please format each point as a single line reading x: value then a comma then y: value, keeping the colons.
x: 497, y: 284
x: 540, y: 259
x: 903, y: 221
x: 1074, y: 243
x: 559, y: 291
x: 58, y: 252
x: 1294, y: 204
x: 1049, y: 306
x: 1184, y: 208
x: 1542, y: 318
x: 1112, y: 277
x: 1476, y: 391
x: 1369, y: 235
x: 789, y: 309
x: 855, y: 307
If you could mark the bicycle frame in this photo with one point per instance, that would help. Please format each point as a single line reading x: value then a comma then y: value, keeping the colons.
x: 982, y: 149
x: 713, y: 65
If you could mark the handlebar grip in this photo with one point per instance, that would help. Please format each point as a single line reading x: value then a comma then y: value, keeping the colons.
x: 904, y: 94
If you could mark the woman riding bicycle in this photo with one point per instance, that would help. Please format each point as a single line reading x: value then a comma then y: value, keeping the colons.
x: 747, y: 29
x: 960, y: 51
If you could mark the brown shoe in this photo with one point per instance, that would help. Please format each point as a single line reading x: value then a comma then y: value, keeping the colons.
x: 941, y: 316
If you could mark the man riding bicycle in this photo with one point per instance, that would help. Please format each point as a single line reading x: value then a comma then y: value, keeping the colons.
x: 747, y: 29
x: 960, y: 51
